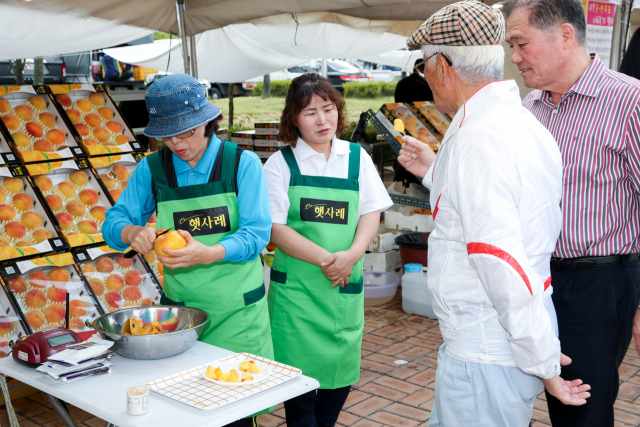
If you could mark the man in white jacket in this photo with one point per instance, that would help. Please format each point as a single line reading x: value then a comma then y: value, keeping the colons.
x: 495, y: 187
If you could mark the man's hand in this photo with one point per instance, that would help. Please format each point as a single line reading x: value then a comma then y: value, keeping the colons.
x: 195, y: 253
x: 636, y: 329
x: 338, y: 267
x: 568, y: 392
x: 141, y: 239
x: 416, y: 157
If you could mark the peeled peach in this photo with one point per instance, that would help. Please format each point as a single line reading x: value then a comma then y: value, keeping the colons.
x: 57, y: 137
x: 113, y: 300
x: 32, y: 220
x: 77, y: 308
x: 41, y: 235
x: 89, y: 197
x: 57, y: 293
x: 87, y: 226
x: 11, y: 122
x: 59, y: 274
x: 122, y: 139
x: 74, y: 116
x: 114, y: 282
x: 17, y: 285
x: 115, y: 195
x: 98, y: 213
x: 55, y: 313
x: 35, y: 299
x: 76, y: 208
x: 83, y: 105
x: 96, y: 99
x: 123, y: 262
x: 105, y: 113
x: 133, y: 278
x: 93, y: 120
x: 105, y: 265
x: 24, y: 112
x: 82, y: 129
x: 34, y: 129
x: 54, y: 202
x: 47, y: 119
x: 35, y: 318
x: 171, y: 240
x: 65, y: 220
x: 131, y: 293
x: 121, y: 172
x: 109, y: 182
x: 44, y: 145
x: 37, y: 102
x: 38, y: 279
x: 101, y: 134
x: 5, y: 106
x: 97, y: 286
x: 22, y: 140
x: 13, y: 185
x: 44, y: 183
x: 22, y: 201
x: 15, y: 230
x: 67, y: 189
x: 64, y: 100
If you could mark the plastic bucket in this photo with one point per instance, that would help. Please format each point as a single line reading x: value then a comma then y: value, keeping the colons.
x: 379, y: 287
x: 413, y: 248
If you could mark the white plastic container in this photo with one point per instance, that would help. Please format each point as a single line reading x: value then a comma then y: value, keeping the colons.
x: 379, y: 287
x: 416, y: 297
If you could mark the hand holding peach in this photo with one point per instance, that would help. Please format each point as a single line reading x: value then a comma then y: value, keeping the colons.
x: 140, y: 238
x: 195, y: 253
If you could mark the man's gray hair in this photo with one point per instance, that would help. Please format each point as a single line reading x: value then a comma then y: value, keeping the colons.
x: 473, y: 64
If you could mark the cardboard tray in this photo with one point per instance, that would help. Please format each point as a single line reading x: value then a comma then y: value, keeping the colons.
x: 103, y: 168
x: 414, y: 126
x: 12, y: 324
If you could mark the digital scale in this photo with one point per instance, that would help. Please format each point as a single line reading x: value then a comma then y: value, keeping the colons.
x: 35, y: 349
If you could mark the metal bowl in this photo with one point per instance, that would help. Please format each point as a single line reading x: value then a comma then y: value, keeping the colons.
x: 147, y: 347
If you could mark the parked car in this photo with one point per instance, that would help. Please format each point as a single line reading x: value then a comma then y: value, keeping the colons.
x: 54, y: 71
x: 341, y: 72
x: 213, y: 90
x: 313, y: 66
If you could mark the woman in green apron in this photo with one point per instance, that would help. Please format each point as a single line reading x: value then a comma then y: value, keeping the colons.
x: 214, y: 193
x: 326, y: 198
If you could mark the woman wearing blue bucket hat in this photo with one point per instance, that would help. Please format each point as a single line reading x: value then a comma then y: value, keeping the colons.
x: 215, y: 194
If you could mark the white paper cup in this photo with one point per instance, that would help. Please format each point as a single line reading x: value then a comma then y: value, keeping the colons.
x: 138, y: 400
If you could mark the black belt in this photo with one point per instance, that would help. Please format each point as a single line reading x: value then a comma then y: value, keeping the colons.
x: 588, y: 262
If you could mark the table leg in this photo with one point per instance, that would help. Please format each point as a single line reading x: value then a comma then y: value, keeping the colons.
x: 60, y: 409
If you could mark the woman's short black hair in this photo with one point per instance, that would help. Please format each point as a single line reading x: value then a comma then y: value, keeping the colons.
x: 213, y: 126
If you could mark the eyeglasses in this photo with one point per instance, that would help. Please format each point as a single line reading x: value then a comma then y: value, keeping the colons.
x: 184, y: 135
x: 421, y: 64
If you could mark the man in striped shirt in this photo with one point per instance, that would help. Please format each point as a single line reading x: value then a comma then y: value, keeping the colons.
x: 594, y: 115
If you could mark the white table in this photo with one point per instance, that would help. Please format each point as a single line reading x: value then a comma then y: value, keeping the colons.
x: 104, y: 395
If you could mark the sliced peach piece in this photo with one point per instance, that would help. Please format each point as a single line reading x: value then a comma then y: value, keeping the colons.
x: 244, y: 366
x: 225, y: 377
x: 211, y: 373
x: 234, y: 380
x: 218, y: 372
x: 253, y: 368
x: 234, y: 373
x: 246, y: 375
x: 244, y: 380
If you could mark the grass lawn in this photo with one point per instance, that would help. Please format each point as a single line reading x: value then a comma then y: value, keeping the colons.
x: 251, y: 109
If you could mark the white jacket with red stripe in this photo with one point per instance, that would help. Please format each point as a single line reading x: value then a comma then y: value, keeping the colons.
x: 495, y: 187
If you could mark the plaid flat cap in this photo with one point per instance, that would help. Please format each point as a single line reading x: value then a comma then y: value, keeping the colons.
x: 466, y: 23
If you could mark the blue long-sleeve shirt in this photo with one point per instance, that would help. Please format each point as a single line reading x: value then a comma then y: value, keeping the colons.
x: 136, y: 204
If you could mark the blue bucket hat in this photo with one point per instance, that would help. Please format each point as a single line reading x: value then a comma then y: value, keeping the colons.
x: 176, y: 104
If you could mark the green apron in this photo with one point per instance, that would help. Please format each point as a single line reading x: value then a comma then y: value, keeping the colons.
x: 232, y: 294
x: 315, y: 327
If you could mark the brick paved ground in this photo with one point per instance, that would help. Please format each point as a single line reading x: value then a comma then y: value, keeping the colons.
x: 387, y: 394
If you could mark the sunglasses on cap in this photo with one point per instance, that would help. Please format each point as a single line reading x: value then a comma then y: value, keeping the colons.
x: 420, y: 66
x: 184, y: 135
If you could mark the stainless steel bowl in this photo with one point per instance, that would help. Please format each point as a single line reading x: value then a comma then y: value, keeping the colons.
x: 160, y: 346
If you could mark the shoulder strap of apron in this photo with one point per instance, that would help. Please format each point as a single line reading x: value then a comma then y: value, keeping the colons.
x: 157, y: 171
x: 229, y: 161
x: 290, y: 158
x: 354, y: 161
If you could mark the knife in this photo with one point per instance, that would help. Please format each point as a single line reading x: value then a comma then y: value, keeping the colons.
x: 132, y: 253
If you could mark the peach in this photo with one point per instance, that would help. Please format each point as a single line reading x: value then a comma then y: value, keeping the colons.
x: 13, y: 185
x: 7, y: 212
x: 121, y: 172
x: 87, y: 268
x: 24, y: 243
x: 32, y: 220
x: 98, y: 213
x: 101, y: 134
x: 124, y: 184
x: 17, y: 285
x: 133, y: 278
x: 54, y: 202
x: 93, y: 120
x: 57, y: 137
x: 44, y: 145
x: 88, y: 227
x: 153, y: 219
x: 131, y: 293
x: 35, y: 299
x: 47, y: 120
x: 55, y: 313
x: 22, y: 140
x: 67, y: 189
x: 114, y: 282
x: 76, y: 208
x: 115, y: 195
x: 146, y: 302
x: 41, y: 235
x: 161, y: 281
x: 6, y: 327
x: 105, y: 113
x: 44, y: 183
x: 11, y: 122
x: 22, y: 201
x: 77, y: 308
x: 77, y: 324
x: 105, y: 265
x: 90, y: 141
x: 150, y: 257
x: 122, y: 139
x: 4, y: 242
x: 5, y: 106
x: 82, y: 129
x: 74, y: 116
x: 59, y: 274
x: 34, y: 129
x: 171, y: 240
x: 96, y: 99
x: 89, y: 197
x: 38, y: 279
x: 113, y: 300
x: 97, y: 286
x: 3, y: 196
x: 57, y: 293
x: 124, y: 262
x: 160, y: 268
x: 37, y: 103
x: 24, y: 112
x: 108, y: 182
x: 35, y: 318
x: 83, y: 105
x: 64, y: 100
x: 65, y: 220
x: 15, y: 230
x: 79, y: 178
x: 114, y: 126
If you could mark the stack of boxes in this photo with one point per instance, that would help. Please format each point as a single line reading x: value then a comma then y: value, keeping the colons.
x: 263, y: 140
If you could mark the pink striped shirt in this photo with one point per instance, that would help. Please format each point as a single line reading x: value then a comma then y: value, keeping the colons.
x: 597, y: 127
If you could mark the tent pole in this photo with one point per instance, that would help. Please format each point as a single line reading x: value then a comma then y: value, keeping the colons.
x: 183, y: 37
x: 619, y: 38
x: 324, y: 68
x: 194, y: 58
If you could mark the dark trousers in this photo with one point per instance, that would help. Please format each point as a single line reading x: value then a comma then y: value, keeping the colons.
x: 245, y: 422
x: 125, y: 75
x: 595, y: 308
x: 313, y: 409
